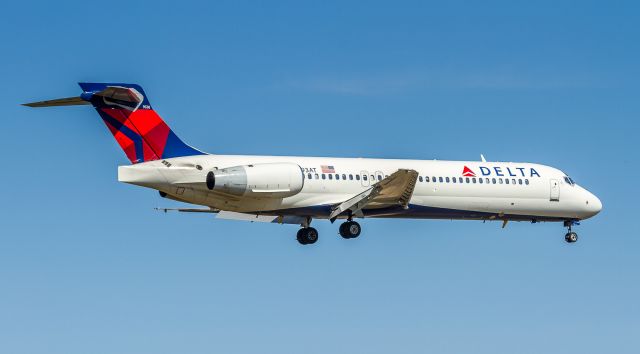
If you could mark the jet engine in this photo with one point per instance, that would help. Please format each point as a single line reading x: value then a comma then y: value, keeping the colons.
x: 265, y: 180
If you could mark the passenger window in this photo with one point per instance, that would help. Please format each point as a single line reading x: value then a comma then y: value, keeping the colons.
x: 357, y: 177
x: 467, y: 180
x: 506, y: 180
x: 330, y: 176
x: 474, y: 180
x: 440, y: 179
x: 337, y: 177
x: 426, y: 178
x: 526, y: 181
x: 324, y: 176
x: 460, y: 180
x: 500, y: 180
x: 519, y: 180
x: 447, y: 179
x: 379, y: 177
x: 344, y: 176
x: 350, y: 177
x: 480, y: 180
x: 309, y: 176
x: 493, y: 180
x: 513, y: 180
x: 453, y: 179
x: 420, y: 178
x: 364, y: 177
x: 488, y: 180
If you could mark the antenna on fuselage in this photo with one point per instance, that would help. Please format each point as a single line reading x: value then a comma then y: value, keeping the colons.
x: 482, y: 158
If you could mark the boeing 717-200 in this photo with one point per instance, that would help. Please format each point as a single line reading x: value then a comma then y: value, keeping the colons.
x: 296, y: 190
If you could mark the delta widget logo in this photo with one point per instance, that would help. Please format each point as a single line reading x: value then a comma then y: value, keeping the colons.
x: 467, y: 172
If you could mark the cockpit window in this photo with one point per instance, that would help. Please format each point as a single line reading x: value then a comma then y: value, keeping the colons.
x: 569, y: 180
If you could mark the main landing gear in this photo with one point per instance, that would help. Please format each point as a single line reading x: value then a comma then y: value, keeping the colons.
x: 307, y: 235
x: 350, y: 229
x: 570, y: 236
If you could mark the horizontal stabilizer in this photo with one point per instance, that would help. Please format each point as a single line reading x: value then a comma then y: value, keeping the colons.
x: 69, y: 101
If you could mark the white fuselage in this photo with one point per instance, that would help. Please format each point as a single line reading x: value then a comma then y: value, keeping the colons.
x: 445, y: 189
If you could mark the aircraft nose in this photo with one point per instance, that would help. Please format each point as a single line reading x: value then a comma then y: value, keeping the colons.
x: 593, y: 205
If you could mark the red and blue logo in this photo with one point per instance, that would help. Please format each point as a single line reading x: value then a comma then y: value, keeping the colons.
x: 137, y: 128
x: 502, y: 171
x: 467, y: 172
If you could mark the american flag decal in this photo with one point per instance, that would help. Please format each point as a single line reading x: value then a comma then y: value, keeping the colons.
x: 327, y: 169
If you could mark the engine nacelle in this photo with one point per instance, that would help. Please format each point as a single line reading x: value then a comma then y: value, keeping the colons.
x: 265, y: 180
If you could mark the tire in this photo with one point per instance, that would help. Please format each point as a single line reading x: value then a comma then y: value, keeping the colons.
x: 574, y: 237
x: 344, y: 230
x: 311, y: 235
x: 350, y: 229
x: 354, y: 229
x: 571, y: 237
x: 300, y: 236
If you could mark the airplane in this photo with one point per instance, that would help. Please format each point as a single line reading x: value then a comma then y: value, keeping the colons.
x: 296, y: 190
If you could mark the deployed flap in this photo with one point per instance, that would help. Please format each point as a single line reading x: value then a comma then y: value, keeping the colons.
x: 396, y: 189
x: 189, y: 210
x: 279, y: 219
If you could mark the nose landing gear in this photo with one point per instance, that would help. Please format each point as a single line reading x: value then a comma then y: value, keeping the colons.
x: 570, y: 236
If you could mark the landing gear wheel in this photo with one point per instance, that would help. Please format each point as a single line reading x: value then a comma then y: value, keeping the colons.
x: 571, y: 237
x: 307, y: 235
x: 350, y: 229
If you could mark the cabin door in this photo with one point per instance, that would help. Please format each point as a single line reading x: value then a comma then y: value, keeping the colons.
x: 364, y: 178
x: 555, y: 190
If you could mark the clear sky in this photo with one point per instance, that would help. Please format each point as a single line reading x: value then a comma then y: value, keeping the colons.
x: 87, y: 265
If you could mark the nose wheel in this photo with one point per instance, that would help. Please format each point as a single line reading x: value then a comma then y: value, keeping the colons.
x: 570, y: 236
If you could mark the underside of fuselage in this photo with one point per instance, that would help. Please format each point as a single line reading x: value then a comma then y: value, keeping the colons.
x: 414, y: 211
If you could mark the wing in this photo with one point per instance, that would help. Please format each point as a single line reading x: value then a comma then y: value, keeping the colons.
x: 396, y: 189
x: 277, y: 219
x: 230, y: 215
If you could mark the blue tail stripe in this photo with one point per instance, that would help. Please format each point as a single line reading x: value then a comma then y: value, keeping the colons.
x: 135, y: 137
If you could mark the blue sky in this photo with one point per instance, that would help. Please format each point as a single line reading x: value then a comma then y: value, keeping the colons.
x: 87, y: 265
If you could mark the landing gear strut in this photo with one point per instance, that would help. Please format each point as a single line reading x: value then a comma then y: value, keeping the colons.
x: 570, y: 236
